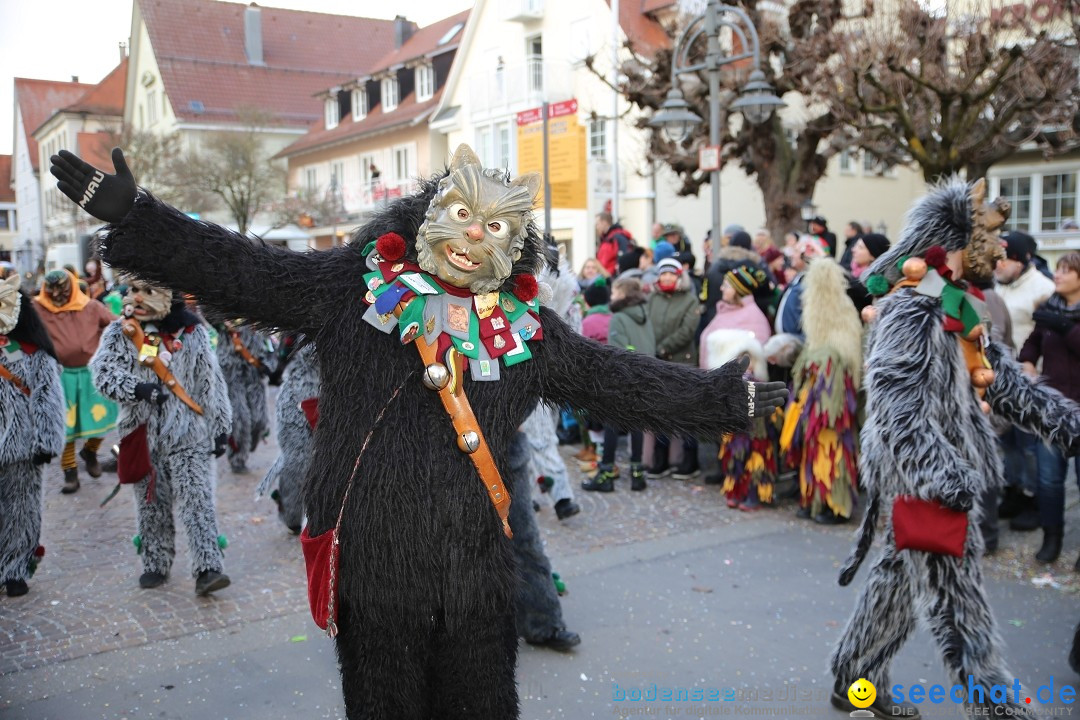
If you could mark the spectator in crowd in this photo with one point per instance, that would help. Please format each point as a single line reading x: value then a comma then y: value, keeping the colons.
x: 657, y: 233
x: 736, y: 252
x: 789, y: 312
x: 674, y: 234
x: 729, y: 232
x: 630, y: 262
x: 630, y: 329
x: 707, y: 249
x: 852, y: 232
x: 762, y: 240
x: 95, y: 281
x: 1023, y: 289
x: 1056, y: 341
x: 591, y: 269
x: 597, y: 313
x: 688, y: 262
x: 819, y: 228
x: 674, y: 311
x: 791, y: 239
x: 747, y: 462
x: 613, y: 241
x: 865, y: 249
x: 649, y: 274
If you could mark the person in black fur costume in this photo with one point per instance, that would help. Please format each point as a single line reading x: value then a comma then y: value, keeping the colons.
x: 426, y: 581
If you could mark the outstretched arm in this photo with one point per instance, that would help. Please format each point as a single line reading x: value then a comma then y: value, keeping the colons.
x: 631, y: 390
x: 227, y: 272
x: 1035, y: 407
x: 908, y: 359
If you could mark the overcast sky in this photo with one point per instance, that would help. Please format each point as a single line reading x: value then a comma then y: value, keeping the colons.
x: 55, y: 39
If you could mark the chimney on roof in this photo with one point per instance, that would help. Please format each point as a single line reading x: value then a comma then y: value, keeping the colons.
x: 253, y: 45
x: 123, y: 50
x: 403, y: 30
x: 75, y: 78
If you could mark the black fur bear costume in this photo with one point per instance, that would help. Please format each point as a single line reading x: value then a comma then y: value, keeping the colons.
x: 426, y: 588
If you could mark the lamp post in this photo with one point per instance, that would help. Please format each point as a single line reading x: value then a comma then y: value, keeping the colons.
x: 808, y: 211
x: 756, y: 100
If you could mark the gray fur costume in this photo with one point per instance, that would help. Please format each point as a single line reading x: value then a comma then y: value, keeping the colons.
x: 181, y: 443
x: 925, y: 435
x: 30, y: 428
x: 247, y: 392
x: 294, y: 436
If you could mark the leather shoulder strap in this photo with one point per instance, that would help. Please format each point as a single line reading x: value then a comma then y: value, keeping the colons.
x: 135, y: 333
x: 14, y: 380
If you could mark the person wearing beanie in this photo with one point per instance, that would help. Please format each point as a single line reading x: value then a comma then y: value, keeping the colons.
x: 663, y: 251
x: 674, y: 235
x: 729, y: 232
x: 819, y: 228
x: 867, y: 248
x: 1023, y: 288
x: 747, y: 462
x: 742, y: 239
x: 674, y: 311
x: 597, y: 313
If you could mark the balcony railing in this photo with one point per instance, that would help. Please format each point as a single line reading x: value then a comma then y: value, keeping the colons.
x: 520, y: 86
x: 524, y: 10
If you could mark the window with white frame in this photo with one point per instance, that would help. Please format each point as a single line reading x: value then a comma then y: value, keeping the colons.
x: 311, y: 180
x: 598, y: 139
x: 846, y: 162
x: 1017, y: 190
x: 389, y: 94
x: 534, y: 54
x: 337, y: 175
x: 404, y: 170
x: 370, y: 173
x: 359, y: 103
x: 493, y: 145
x: 1058, y: 200
x: 151, y: 107
x: 330, y: 112
x: 425, y: 82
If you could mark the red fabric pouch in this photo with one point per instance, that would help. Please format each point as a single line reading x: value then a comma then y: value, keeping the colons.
x: 928, y: 526
x: 317, y: 560
x: 133, y: 463
x: 310, y: 407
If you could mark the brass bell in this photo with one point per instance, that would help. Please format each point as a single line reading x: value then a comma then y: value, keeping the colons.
x: 982, y: 377
x: 436, y: 376
x: 914, y: 268
x: 469, y: 442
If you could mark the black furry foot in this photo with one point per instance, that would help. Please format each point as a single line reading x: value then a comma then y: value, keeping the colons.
x: 71, y: 481
x: 294, y: 529
x: 566, y: 508
x: 15, y: 588
x: 883, y: 707
x: 210, y: 581
x: 151, y: 580
x: 93, y: 467
x: 559, y: 639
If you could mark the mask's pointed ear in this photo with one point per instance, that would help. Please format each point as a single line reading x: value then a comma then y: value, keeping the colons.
x: 531, y: 181
x: 463, y: 156
x: 978, y: 193
x: 12, y: 281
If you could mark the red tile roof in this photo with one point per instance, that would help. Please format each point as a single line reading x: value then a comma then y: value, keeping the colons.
x: 107, y: 97
x: 424, y: 42
x: 199, y: 47
x: 96, y: 148
x: 407, y: 111
x: 38, y: 100
x: 644, y: 33
x: 7, y: 193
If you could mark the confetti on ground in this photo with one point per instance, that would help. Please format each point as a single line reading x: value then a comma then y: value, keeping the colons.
x: 298, y: 638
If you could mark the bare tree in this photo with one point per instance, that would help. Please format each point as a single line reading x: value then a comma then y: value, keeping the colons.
x: 235, y: 167
x: 958, y: 91
x: 306, y: 209
x: 785, y: 158
x: 153, y: 159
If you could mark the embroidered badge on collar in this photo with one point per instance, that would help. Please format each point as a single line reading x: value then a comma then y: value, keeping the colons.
x: 483, y: 328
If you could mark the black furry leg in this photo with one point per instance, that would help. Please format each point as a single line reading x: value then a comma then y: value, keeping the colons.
x: 538, y: 609
x: 474, y: 669
x: 384, y: 671
x: 880, y: 624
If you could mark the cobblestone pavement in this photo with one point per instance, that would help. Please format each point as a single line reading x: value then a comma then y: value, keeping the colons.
x: 85, y: 597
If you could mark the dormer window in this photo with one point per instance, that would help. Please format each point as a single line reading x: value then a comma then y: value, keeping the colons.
x: 359, y: 103
x: 331, y: 112
x: 425, y: 82
x: 389, y: 94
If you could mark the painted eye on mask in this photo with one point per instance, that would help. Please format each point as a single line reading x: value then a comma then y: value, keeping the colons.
x: 459, y: 212
x: 499, y: 228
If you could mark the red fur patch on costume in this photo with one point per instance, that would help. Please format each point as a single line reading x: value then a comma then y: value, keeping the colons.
x: 935, y: 257
x: 391, y: 246
x: 525, y: 287
x: 39, y: 551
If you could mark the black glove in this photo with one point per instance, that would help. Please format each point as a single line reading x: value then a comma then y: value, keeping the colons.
x: 1053, y: 320
x: 42, y: 458
x: 766, y: 397
x: 274, y: 378
x: 151, y: 392
x: 220, y: 443
x: 106, y: 197
x: 264, y: 371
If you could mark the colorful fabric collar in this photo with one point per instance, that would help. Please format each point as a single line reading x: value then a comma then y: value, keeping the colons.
x: 14, y: 350
x: 484, y: 328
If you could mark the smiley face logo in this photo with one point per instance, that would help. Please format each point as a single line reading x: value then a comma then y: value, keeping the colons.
x: 862, y: 693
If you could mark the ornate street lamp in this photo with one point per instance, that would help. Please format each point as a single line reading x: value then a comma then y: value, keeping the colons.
x: 808, y: 210
x: 757, y: 100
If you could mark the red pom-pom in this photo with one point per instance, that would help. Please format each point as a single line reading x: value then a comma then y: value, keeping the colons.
x: 935, y: 256
x: 39, y: 551
x: 525, y: 287
x: 391, y: 246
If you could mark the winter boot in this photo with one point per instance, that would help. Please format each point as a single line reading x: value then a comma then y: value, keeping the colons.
x: 688, y: 467
x: 637, y: 477
x: 566, y: 508
x: 209, y: 581
x: 151, y: 580
x: 1028, y: 518
x: 15, y: 588
x: 93, y: 467
x: 602, y: 481
x: 660, y: 467
x: 1051, y: 545
x: 71, y: 481
x: 1011, y: 503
